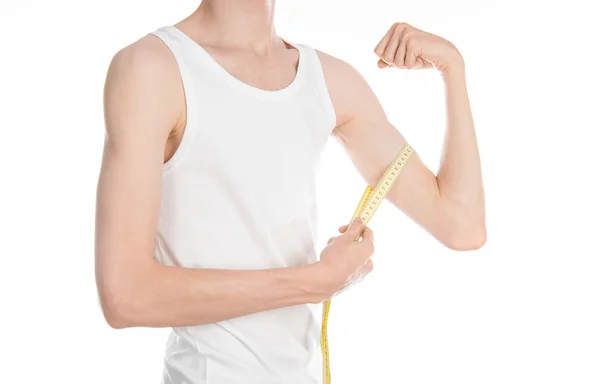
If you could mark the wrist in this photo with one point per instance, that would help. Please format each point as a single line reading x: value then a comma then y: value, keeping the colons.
x: 455, y: 67
x: 309, y: 281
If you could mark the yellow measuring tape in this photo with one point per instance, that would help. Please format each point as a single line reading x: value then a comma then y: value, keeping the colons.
x: 369, y: 202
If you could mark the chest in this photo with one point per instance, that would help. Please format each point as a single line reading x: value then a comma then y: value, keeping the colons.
x: 253, y: 146
x: 267, y: 144
x: 267, y: 73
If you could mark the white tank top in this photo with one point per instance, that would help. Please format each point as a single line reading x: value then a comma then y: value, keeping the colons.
x: 239, y: 193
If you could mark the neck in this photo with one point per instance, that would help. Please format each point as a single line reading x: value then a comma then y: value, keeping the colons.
x: 245, y: 24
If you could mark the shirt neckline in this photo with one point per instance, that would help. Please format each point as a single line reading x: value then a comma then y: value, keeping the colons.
x: 218, y: 69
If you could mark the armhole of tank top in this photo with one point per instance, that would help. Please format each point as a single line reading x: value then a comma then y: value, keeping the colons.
x: 189, y: 129
x: 322, y: 88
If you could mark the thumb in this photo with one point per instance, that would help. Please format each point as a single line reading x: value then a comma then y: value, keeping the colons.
x: 383, y: 64
x: 355, y: 229
x: 419, y: 63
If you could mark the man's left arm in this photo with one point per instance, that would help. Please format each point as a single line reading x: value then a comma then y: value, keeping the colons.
x: 449, y: 205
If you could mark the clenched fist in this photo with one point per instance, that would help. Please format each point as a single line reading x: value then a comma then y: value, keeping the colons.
x: 405, y: 46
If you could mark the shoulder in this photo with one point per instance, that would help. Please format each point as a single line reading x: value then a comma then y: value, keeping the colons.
x: 348, y: 89
x: 144, y: 77
x: 336, y: 68
x: 144, y: 58
x: 146, y: 63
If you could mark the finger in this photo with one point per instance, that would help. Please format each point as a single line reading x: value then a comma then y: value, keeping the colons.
x: 359, y: 278
x: 379, y: 49
x: 392, y: 46
x: 368, y: 235
x: 343, y: 228
x: 367, y: 247
x: 364, y: 271
x: 382, y: 64
x: 400, y: 53
x: 413, y: 56
x: 354, y: 230
x: 366, y: 251
x: 410, y: 61
x: 419, y: 63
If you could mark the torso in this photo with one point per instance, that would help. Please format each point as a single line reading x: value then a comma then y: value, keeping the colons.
x: 238, y: 192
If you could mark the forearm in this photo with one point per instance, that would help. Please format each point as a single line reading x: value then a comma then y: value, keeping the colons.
x: 460, y: 178
x: 164, y: 296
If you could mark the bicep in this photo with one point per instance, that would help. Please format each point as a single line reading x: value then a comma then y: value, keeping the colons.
x: 372, y: 142
x: 138, y: 117
x: 372, y: 145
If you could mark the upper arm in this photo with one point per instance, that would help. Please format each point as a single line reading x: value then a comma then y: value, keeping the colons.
x: 372, y: 142
x: 142, y: 105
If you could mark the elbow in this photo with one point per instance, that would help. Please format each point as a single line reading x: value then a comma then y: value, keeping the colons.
x: 467, y: 239
x: 118, y: 313
x: 126, y: 297
x: 121, y: 308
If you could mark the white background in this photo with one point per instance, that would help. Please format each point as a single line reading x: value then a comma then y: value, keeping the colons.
x: 524, y: 309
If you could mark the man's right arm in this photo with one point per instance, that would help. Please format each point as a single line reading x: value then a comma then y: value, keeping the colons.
x: 143, y: 101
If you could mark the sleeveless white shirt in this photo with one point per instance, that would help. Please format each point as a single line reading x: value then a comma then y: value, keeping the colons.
x: 239, y: 193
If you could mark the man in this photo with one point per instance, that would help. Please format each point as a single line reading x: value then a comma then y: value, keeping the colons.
x: 206, y: 209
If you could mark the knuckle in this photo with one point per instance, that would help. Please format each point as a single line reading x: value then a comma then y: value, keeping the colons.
x: 369, y: 266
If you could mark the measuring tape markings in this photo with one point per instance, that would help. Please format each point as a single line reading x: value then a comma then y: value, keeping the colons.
x: 369, y: 202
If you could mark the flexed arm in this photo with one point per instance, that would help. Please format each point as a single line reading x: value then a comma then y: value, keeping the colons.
x: 449, y: 205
